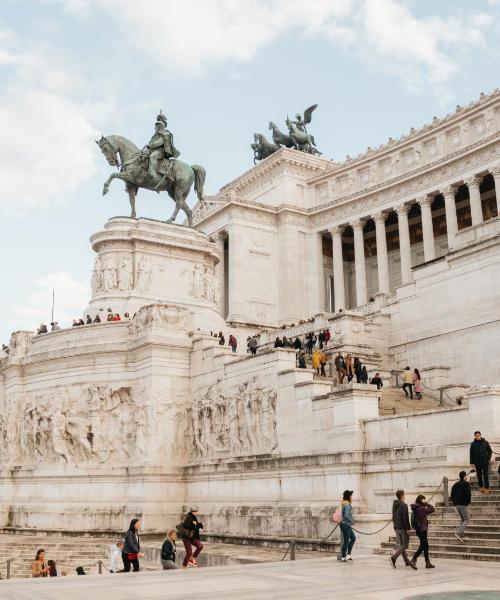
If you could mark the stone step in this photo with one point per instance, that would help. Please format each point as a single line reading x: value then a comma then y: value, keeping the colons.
x: 469, y: 547
x: 449, y: 555
x: 450, y: 540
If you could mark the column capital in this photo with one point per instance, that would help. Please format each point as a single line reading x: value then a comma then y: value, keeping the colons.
x: 402, y: 209
x: 495, y: 171
x: 424, y: 201
x: 358, y: 224
x: 450, y: 190
x: 336, y: 230
x: 473, y: 182
x: 221, y: 235
x: 379, y: 217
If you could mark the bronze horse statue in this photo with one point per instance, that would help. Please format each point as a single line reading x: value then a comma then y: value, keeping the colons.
x: 121, y: 152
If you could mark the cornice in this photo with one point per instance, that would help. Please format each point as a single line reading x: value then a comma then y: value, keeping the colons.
x: 415, y: 135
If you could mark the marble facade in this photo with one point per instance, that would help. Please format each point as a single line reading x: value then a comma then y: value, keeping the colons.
x: 146, y: 415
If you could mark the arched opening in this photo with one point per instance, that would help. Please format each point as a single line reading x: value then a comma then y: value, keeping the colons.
x: 488, y: 197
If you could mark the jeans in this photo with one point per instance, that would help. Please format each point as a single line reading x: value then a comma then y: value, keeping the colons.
x: 424, y: 545
x: 168, y: 565
x: 463, y: 511
x: 410, y: 389
x: 233, y: 348
x: 483, y: 477
x: 253, y: 350
x: 402, y: 543
x: 188, y: 543
x: 127, y: 563
x: 349, y: 539
x: 322, y: 370
x: 341, y: 375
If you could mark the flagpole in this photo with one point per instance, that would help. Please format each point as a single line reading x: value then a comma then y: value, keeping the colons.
x: 53, y: 296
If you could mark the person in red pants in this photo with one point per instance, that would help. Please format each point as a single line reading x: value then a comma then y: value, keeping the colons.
x: 191, y: 537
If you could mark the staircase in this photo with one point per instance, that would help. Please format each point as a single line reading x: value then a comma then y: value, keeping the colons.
x: 393, y: 401
x: 68, y: 553
x: 482, y: 535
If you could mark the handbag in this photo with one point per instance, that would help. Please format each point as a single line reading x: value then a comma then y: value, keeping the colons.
x: 183, y: 531
x: 132, y: 556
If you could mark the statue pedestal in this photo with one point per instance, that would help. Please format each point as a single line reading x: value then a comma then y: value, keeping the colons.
x: 143, y: 261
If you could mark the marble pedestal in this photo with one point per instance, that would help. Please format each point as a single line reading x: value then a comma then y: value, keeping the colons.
x: 143, y: 261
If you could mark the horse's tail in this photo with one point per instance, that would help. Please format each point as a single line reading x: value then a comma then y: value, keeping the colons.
x: 199, y: 181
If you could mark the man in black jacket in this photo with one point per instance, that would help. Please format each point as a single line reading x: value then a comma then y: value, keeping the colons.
x: 480, y: 456
x: 401, y: 523
x: 461, y: 498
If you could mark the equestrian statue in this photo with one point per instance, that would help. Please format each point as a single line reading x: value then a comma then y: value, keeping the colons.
x: 156, y: 167
x: 297, y: 137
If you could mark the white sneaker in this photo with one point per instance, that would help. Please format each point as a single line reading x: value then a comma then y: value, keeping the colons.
x: 343, y: 559
x: 349, y: 557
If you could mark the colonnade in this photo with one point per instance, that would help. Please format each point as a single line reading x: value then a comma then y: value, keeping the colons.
x: 473, y: 184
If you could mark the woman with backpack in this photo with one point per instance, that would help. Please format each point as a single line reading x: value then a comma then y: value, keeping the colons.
x: 346, y: 526
x: 419, y: 512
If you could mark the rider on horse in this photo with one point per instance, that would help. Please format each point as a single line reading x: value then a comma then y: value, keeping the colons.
x: 160, y: 147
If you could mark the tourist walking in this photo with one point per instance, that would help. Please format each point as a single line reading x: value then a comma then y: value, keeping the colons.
x: 302, y: 360
x: 461, y: 498
x: 340, y: 367
x: 346, y: 526
x: 131, y: 551
x: 420, y: 522
x: 480, y: 456
x: 364, y: 375
x: 417, y: 384
x: 191, y: 537
x: 323, y: 359
x: 252, y: 344
x: 39, y: 568
x: 357, y: 369
x: 408, y: 383
x: 169, y: 551
x: 401, y: 523
x: 349, y: 368
x: 222, y: 339
x: 233, y: 343
x: 115, y: 559
x: 316, y: 360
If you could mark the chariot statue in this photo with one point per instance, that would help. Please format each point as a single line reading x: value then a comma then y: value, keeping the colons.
x: 297, y: 137
x: 156, y: 167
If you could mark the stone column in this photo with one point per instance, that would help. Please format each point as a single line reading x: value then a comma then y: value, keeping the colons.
x: 359, y: 259
x: 451, y: 214
x: 382, y: 262
x: 476, y: 209
x: 404, y: 244
x: 428, y: 231
x: 220, y: 272
x: 338, y: 268
x: 495, y: 171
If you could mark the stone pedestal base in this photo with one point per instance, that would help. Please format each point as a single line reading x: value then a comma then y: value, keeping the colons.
x: 143, y: 261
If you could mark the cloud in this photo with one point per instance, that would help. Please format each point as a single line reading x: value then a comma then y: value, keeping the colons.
x: 195, y: 36
x: 71, y: 297
x: 47, y: 134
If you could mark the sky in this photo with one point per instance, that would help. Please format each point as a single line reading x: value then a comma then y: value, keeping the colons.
x: 71, y: 70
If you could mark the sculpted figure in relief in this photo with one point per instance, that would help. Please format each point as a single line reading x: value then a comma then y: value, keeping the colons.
x: 96, y: 277
x: 143, y: 283
x: 109, y: 277
x: 126, y: 274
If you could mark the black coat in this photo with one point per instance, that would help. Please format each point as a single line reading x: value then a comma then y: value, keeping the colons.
x: 168, y: 550
x: 480, y: 453
x: 191, y: 523
x: 132, y: 544
x: 400, y: 518
x: 460, y: 493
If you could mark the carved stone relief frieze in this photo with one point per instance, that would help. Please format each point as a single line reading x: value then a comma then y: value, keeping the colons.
x: 242, y: 423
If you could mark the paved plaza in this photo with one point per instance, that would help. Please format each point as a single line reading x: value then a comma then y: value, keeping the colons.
x: 368, y: 578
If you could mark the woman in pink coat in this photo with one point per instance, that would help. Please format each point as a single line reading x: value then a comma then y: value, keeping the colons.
x: 417, y: 384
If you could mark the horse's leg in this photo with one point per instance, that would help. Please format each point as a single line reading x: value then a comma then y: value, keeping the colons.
x: 132, y: 192
x: 177, y: 207
x: 116, y: 175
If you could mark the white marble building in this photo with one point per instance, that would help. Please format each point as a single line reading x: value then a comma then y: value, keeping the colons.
x: 147, y: 415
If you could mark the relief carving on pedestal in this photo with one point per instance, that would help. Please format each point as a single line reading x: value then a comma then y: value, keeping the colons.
x: 126, y: 275
x: 206, y: 285
x: 109, y: 274
x: 161, y: 316
x: 242, y: 423
x: 19, y: 344
x: 143, y: 275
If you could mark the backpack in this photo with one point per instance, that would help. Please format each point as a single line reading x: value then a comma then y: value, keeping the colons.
x: 337, y: 515
x: 415, y: 523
